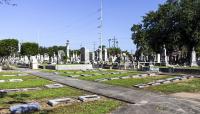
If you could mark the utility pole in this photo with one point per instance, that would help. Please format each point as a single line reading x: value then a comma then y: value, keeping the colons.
x: 101, y: 31
x: 114, y: 42
x: 109, y: 40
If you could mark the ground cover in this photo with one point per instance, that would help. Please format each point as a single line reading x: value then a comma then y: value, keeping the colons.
x: 134, y: 81
x: 191, y: 85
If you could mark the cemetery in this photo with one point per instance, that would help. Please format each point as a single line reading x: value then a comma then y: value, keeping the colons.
x: 159, y: 74
x: 28, y: 84
x: 36, y: 94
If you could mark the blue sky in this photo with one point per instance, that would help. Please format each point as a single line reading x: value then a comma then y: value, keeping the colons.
x: 52, y: 22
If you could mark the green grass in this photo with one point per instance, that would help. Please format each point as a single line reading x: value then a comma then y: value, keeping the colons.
x: 192, y: 85
x: 39, y: 95
x: 134, y: 81
x: 92, y: 78
x: 96, y: 107
x: 17, y: 77
x: 27, y: 83
x: 9, y: 73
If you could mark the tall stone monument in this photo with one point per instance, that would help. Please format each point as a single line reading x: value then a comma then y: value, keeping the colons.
x: 85, y: 57
x: 67, y: 49
x: 158, y: 58
x: 105, y: 55
x: 164, y: 59
x: 193, y: 58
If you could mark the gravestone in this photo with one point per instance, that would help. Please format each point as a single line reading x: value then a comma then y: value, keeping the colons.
x: 46, y: 57
x: 61, y: 54
x: 164, y: 57
x: 92, y: 56
x: 193, y: 58
x: 158, y: 58
x: 26, y: 60
x: 142, y: 57
x: 67, y: 49
x: 85, y: 55
x: 34, y: 63
x: 0, y: 68
x: 105, y: 55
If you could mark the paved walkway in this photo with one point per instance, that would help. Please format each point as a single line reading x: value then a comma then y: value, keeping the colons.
x: 139, y: 102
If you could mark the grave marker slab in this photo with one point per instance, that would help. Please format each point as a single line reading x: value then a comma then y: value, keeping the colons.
x: 55, y: 102
x: 2, y: 81
x: 9, y: 75
x: 54, y: 86
x: 89, y: 98
x: 15, y: 80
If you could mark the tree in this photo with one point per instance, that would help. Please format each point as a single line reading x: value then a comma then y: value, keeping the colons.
x: 175, y: 23
x: 114, y: 51
x: 9, y: 47
x: 29, y: 49
x: 7, y: 2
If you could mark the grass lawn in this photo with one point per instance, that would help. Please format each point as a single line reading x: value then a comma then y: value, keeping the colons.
x: 192, y: 85
x: 134, y: 81
x: 42, y: 96
x: 92, y: 78
x: 97, y: 107
x: 38, y: 95
x: 9, y: 73
x: 28, y: 81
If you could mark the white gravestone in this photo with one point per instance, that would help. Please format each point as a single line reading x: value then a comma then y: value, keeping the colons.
x: 34, y: 63
x: 193, y: 59
x: 158, y: 58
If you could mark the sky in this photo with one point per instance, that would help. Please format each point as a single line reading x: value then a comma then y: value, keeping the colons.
x: 53, y: 22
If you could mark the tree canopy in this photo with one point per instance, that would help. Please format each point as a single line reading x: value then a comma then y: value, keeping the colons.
x: 8, y: 47
x: 29, y: 49
x: 175, y: 23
